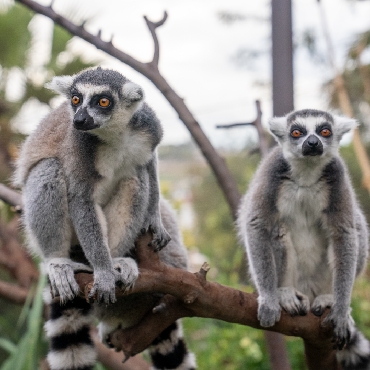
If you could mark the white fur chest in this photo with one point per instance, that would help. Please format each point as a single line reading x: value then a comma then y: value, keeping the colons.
x: 307, y: 243
x: 119, y: 160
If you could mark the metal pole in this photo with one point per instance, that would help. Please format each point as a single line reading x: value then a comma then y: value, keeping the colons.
x: 282, y: 57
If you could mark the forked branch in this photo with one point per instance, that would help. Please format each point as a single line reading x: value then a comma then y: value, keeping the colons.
x: 190, y: 295
x: 225, y: 179
x: 152, y: 28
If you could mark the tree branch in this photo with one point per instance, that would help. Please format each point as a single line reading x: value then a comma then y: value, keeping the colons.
x: 190, y: 295
x: 257, y: 123
x: 152, y: 28
x: 13, y: 292
x: 225, y: 180
x: 11, y: 197
x: 13, y: 256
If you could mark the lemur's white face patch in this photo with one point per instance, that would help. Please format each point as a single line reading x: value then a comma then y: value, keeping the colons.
x: 297, y: 134
x: 88, y: 91
x: 310, y: 123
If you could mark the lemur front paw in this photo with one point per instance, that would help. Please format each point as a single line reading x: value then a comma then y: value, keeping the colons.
x: 342, y: 327
x: 104, y: 287
x: 160, y: 235
x: 269, y: 312
x: 61, y: 276
x: 322, y: 302
x: 293, y: 301
x: 125, y: 271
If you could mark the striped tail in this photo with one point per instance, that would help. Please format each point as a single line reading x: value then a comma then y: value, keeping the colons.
x: 169, y: 351
x: 71, y: 347
x: 356, y: 355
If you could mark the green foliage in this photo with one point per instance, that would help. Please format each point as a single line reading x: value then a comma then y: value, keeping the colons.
x: 14, y: 40
x: 221, y: 345
x: 27, y: 354
x: 215, y: 233
x: 356, y: 75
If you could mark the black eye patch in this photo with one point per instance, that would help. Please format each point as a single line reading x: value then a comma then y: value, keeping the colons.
x: 323, y: 126
x: 94, y: 102
x: 298, y: 127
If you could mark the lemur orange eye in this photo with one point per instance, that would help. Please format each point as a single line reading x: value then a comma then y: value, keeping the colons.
x: 325, y: 132
x: 104, y: 102
x: 296, y: 133
x: 75, y: 99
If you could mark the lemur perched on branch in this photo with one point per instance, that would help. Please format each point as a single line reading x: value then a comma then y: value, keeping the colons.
x: 90, y: 187
x: 305, y: 235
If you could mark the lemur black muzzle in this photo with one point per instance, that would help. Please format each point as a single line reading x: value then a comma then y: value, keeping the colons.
x: 312, y: 146
x: 83, y: 121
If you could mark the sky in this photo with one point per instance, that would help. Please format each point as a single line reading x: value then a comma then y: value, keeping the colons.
x: 199, y: 55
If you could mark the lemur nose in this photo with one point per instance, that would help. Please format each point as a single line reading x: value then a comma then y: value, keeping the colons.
x: 312, y: 141
x: 79, y: 121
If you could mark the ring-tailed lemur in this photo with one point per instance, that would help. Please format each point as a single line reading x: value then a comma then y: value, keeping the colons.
x: 90, y: 186
x: 305, y: 235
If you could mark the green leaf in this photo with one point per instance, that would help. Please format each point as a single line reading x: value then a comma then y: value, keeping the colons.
x: 26, y: 355
x: 8, y: 345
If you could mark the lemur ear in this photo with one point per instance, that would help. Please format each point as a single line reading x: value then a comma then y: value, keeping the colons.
x: 343, y: 125
x: 60, y: 84
x: 278, y: 127
x: 132, y: 92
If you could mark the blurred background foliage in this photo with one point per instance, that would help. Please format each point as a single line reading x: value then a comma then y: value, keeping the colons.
x: 187, y: 181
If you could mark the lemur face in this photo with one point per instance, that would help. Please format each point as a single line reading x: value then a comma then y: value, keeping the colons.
x: 310, y: 133
x: 92, y: 105
x: 99, y: 98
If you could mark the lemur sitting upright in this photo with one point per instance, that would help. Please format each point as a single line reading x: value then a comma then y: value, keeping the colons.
x: 90, y: 186
x: 305, y: 235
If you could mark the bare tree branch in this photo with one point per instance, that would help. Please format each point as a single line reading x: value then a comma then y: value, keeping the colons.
x: 14, y: 257
x: 13, y: 292
x: 189, y: 295
x: 225, y: 180
x: 152, y: 28
x: 263, y: 143
x: 257, y: 123
x: 11, y: 197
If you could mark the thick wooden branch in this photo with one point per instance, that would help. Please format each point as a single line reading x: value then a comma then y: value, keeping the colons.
x: 189, y: 295
x: 152, y: 28
x: 225, y: 179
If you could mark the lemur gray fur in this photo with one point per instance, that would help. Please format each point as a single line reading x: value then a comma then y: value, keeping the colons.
x: 90, y: 187
x: 305, y: 234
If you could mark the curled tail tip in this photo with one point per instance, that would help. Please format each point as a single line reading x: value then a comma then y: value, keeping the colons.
x: 356, y: 355
x: 169, y: 351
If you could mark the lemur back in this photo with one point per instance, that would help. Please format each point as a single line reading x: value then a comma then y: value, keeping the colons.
x: 305, y: 234
x: 90, y: 186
